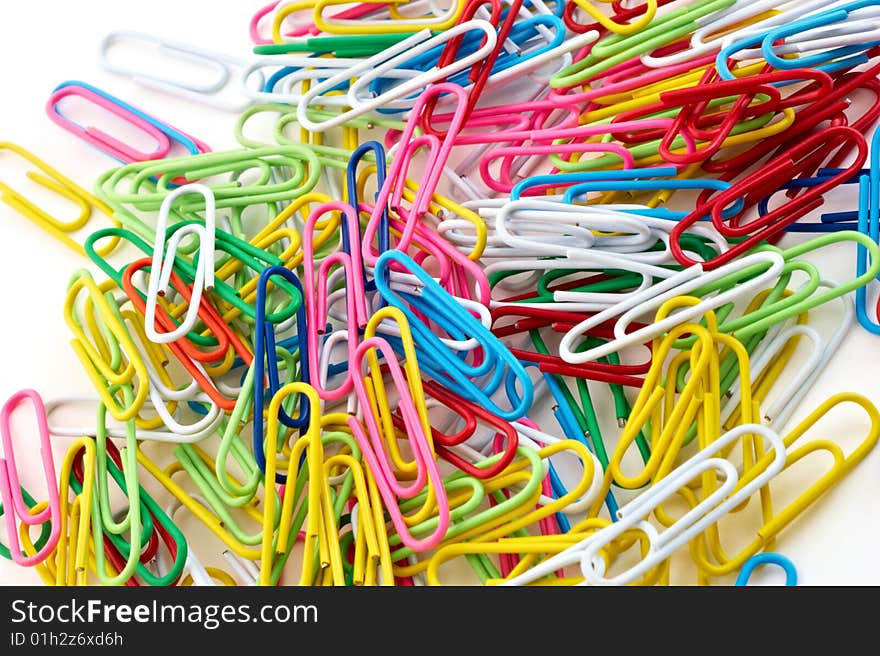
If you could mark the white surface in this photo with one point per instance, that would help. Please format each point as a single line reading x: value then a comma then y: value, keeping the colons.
x: 45, y: 43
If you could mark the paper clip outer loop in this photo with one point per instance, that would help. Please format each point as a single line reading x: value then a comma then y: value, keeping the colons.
x: 10, y: 486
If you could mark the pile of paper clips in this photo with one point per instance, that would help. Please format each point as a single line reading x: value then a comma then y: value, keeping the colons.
x: 382, y: 340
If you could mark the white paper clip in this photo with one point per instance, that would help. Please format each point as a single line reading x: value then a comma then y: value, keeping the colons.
x: 206, y: 92
x: 382, y: 65
x: 163, y: 263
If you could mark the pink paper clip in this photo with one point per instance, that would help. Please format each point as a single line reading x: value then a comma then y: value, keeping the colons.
x: 552, y: 134
x: 504, y: 183
x: 316, y: 295
x: 373, y: 448
x: 517, y: 122
x: 625, y: 81
x: 391, y: 193
x: 10, y: 486
x: 165, y: 135
x: 458, y: 275
x: 98, y: 137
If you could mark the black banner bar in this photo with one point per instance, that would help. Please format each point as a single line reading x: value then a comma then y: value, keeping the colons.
x: 272, y: 620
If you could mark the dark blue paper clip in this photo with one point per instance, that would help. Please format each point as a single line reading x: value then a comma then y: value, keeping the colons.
x: 351, y: 186
x: 830, y: 221
x: 264, y: 350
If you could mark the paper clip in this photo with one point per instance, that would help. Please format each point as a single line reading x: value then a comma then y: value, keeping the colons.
x: 265, y: 355
x: 623, y: 21
x: 316, y: 297
x: 53, y: 180
x: 217, y: 513
x: 781, y: 170
x: 525, y: 57
x: 854, y: 36
x: 168, y: 399
x: 743, y: 19
x: 31, y: 547
x: 647, y: 11
x: 447, y: 367
x: 712, y: 562
x: 10, y: 487
x: 509, y: 516
x: 221, y: 528
x: 157, y: 524
x: 829, y: 222
x: 206, y: 92
x: 98, y: 137
x: 71, y: 560
x: 391, y: 192
x: 125, y: 364
x: 617, y: 49
x: 162, y: 267
x: 161, y: 132
x: 869, y: 225
x: 302, y: 162
x: 434, y: 18
x: 481, y: 70
x: 381, y: 210
x: 780, y: 410
x: 536, y: 318
x: 104, y: 520
x: 729, y: 494
x: 761, y: 559
x: 471, y: 413
x: 372, y: 446
x: 194, y: 572
x: 523, y: 479
x: 190, y: 357
x: 307, y: 450
x: 240, y: 255
x: 375, y: 67
x: 681, y: 283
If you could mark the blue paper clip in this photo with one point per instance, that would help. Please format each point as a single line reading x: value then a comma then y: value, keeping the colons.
x: 573, y: 192
x: 834, y: 15
x: 560, y: 179
x: 869, y: 224
x: 446, y: 366
x: 644, y: 179
x: 836, y: 60
x: 768, y: 558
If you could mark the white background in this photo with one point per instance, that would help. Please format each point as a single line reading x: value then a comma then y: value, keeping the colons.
x: 45, y: 43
